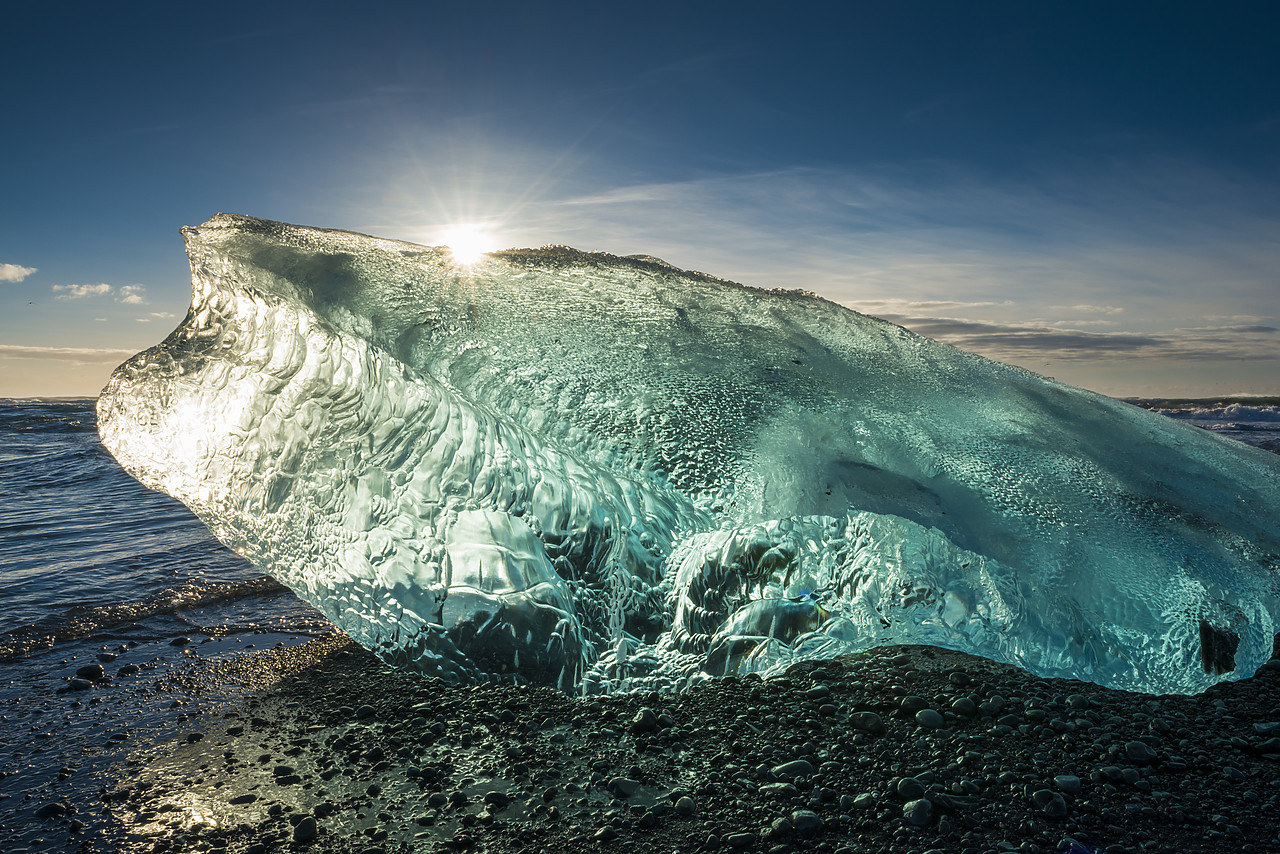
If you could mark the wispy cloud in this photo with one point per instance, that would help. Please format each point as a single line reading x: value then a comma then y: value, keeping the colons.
x: 65, y: 292
x: 14, y: 272
x: 132, y: 295
x: 74, y: 355
x: 1019, y: 342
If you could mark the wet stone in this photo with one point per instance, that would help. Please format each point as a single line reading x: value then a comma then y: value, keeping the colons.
x: 1068, y: 783
x: 91, y: 671
x: 793, y: 769
x: 305, y: 830
x: 930, y: 719
x: 1050, y: 804
x: 918, y: 813
x: 1140, y: 753
x: 806, y: 822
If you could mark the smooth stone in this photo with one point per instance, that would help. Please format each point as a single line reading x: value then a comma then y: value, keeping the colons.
x: 1140, y: 752
x: 1068, y: 783
x: 918, y: 812
x: 806, y: 822
x: 794, y: 768
x: 930, y: 719
x: 1051, y: 804
x: 305, y: 830
x: 623, y: 787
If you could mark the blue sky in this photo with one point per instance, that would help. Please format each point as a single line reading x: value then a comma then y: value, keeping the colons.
x: 1087, y: 190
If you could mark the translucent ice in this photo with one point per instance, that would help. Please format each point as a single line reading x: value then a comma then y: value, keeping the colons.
x: 604, y: 473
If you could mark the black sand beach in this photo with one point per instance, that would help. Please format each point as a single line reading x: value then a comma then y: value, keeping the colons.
x: 318, y: 747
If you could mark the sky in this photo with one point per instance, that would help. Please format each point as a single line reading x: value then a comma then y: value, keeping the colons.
x: 1088, y: 190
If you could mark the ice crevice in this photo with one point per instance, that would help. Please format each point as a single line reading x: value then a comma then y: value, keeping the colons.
x: 606, y: 474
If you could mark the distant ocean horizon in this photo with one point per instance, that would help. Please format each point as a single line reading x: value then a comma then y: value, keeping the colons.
x: 90, y: 559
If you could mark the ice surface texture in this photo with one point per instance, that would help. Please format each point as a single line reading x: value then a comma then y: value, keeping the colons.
x: 606, y: 473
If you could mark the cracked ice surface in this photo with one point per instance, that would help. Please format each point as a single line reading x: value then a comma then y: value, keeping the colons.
x: 606, y: 473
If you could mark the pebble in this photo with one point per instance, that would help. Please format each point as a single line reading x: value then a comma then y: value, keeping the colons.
x: 909, y: 789
x: 623, y: 787
x: 305, y: 830
x: 91, y: 671
x: 685, y: 806
x: 930, y: 719
x: 79, y: 684
x: 1139, y: 752
x: 807, y: 823
x: 365, y: 712
x: 1050, y: 803
x: 918, y: 812
x: 867, y: 722
x: 794, y: 769
x: 645, y: 720
x: 1068, y: 783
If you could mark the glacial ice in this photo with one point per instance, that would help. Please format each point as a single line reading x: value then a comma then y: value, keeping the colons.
x: 605, y: 473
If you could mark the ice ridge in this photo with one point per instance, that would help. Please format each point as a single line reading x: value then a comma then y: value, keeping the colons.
x: 606, y: 474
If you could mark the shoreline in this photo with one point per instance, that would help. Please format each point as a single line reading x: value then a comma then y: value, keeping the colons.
x: 317, y: 746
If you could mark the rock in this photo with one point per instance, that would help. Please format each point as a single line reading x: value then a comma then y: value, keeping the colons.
x: 127, y: 670
x: 908, y: 788
x: 623, y: 787
x: 930, y: 719
x: 1140, y: 753
x: 605, y: 833
x: 740, y: 840
x: 781, y: 791
x: 918, y: 812
x: 305, y: 830
x: 794, y: 769
x: 807, y: 823
x: 1051, y: 804
x: 685, y: 806
x: 646, y: 720
x: 91, y: 671
x: 55, y: 809
x: 867, y: 722
x: 79, y: 684
x: 912, y: 704
x: 781, y: 828
x: 818, y: 692
x: 365, y: 712
x: 179, y: 641
x: 1068, y: 783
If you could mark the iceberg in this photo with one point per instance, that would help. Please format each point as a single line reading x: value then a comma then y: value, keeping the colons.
x: 608, y: 474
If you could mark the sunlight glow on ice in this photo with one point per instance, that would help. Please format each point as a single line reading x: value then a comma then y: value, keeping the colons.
x: 468, y: 242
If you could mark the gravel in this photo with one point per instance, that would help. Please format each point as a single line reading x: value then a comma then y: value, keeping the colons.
x: 324, y: 749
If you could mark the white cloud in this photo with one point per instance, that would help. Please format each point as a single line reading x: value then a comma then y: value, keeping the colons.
x: 75, y: 355
x: 163, y: 314
x: 80, y: 291
x: 14, y: 272
x: 132, y: 295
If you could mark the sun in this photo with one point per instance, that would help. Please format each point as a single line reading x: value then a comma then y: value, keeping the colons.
x: 468, y: 242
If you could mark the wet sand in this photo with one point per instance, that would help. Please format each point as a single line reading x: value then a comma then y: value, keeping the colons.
x: 316, y: 746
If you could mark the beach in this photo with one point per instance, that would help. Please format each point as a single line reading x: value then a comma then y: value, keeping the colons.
x: 317, y: 746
